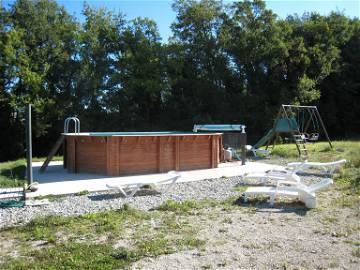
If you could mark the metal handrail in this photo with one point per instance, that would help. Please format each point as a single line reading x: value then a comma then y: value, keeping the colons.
x: 76, y: 126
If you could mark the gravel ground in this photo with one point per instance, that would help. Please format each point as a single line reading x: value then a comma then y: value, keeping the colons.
x: 271, y: 238
x: 286, y: 236
x: 76, y: 205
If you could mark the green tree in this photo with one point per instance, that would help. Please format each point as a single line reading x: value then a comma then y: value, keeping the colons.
x: 100, y: 47
x: 256, y: 48
x: 38, y: 46
x: 11, y: 135
x: 340, y: 91
x: 137, y: 95
x: 196, y: 62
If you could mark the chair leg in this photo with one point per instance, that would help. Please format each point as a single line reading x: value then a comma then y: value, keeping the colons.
x: 118, y: 188
x: 136, y: 189
x: 122, y: 191
x: 170, y: 185
x: 272, y: 199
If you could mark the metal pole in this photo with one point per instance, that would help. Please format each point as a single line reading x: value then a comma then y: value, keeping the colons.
x: 323, y: 127
x: 311, y: 112
x: 29, y: 171
x: 243, y: 140
x: 299, y: 106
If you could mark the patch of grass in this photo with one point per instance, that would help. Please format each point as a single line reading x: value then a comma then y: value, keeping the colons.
x: 126, y: 255
x: 51, y: 198
x: 82, y: 193
x: 356, y: 253
x: 184, y: 207
x: 191, y: 242
x: 334, y: 265
x: 285, y: 151
x: 348, y: 200
x: 227, y: 220
x: 346, y: 178
x: 354, y: 243
x: 46, y: 228
x: 171, y: 222
x: 12, y: 173
x: 154, y: 247
x: 329, y: 219
x: 42, y: 159
x: 251, y: 245
x: 151, y: 233
x: 71, y: 256
x: 230, y: 203
x: 240, y: 188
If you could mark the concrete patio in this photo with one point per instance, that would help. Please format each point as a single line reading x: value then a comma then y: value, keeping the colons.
x: 57, y: 181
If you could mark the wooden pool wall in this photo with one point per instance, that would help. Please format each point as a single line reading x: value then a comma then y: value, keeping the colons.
x: 127, y: 155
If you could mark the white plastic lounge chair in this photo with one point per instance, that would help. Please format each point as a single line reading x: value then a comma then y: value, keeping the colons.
x: 327, y: 167
x: 170, y: 179
x: 275, y: 175
x: 257, y: 151
x: 304, y: 193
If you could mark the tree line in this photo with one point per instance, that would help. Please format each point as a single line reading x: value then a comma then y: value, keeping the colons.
x: 233, y: 63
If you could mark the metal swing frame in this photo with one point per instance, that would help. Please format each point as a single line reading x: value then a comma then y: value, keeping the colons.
x: 314, y: 117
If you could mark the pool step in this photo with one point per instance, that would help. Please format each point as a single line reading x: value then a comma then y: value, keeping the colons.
x: 52, y: 153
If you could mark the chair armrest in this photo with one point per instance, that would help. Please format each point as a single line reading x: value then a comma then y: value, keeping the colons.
x: 277, y: 171
x: 287, y: 183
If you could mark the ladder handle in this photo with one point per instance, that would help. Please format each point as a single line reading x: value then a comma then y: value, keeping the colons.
x: 67, y: 123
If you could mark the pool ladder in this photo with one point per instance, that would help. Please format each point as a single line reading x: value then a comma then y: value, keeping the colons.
x: 76, y: 126
x: 60, y: 140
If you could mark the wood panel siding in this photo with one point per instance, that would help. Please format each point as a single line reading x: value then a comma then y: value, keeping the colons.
x: 195, y: 153
x: 70, y: 154
x: 139, y: 155
x: 129, y: 155
x: 91, y: 155
x: 112, y: 156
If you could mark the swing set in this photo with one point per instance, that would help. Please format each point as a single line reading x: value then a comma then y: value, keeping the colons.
x: 303, y: 123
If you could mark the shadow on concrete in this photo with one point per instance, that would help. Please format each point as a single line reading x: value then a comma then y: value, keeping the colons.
x: 57, y: 173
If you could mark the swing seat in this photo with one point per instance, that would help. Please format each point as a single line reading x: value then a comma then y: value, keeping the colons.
x: 305, y: 136
x: 313, y: 137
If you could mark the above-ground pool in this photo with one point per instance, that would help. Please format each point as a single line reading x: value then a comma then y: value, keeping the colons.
x: 126, y: 153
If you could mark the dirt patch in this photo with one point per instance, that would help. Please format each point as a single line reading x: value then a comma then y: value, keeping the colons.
x: 264, y: 237
x: 7, y: 249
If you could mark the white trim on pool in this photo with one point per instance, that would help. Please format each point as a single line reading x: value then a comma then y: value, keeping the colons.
x: 156, y: 133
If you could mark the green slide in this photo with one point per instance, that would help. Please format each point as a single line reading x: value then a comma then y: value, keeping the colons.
x: 282, y: 125
x: 264, y: 139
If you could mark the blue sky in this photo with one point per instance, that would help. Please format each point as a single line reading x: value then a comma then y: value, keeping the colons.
x: 161, y: 11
